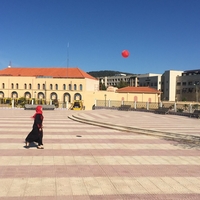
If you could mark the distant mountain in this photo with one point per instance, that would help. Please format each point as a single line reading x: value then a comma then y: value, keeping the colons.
x: 104, y: 73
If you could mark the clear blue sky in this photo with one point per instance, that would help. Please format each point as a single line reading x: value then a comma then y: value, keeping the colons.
x: 159, y: 34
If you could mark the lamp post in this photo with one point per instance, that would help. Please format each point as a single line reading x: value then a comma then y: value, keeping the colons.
x: 196, y: 94
x: 196, y: 88
x: 35, y: 96
x: 105, y: 99
x: 45, y: 92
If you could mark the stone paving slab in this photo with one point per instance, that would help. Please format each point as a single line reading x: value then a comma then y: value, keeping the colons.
x: 145, y: 120
x: 99, y: 164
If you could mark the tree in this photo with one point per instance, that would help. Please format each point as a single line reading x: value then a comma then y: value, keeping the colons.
x: 22, y: 101
x: 122, y: 84
x: 102, y: 86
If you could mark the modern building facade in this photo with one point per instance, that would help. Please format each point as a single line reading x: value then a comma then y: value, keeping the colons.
x: 188, y: 86
x: 115, y: 80
x: 151, y: 80
x: 168, y: 86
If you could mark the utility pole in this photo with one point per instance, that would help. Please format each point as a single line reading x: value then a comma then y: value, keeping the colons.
x: 68, y: 55
x: 196, y: 88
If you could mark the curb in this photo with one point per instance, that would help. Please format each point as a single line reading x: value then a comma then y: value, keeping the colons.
x: 169, y: 135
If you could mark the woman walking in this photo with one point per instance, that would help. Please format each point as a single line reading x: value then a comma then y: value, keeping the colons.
x: 36, y: 135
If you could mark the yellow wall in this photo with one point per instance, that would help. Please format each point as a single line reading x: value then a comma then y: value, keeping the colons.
x: 89, y: 92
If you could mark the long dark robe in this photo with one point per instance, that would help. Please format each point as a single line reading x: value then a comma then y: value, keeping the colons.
x: 36, y: 135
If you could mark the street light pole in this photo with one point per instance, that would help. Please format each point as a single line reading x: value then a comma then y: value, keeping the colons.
x: 196, y: 88
x: 35, y: 96
x: 196, y: 94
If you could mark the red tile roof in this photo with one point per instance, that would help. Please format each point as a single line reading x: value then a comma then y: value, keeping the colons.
x: 50, y: 72
x: 130, y: 89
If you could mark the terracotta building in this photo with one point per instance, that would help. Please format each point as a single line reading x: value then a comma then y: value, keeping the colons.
x: 65, y: 85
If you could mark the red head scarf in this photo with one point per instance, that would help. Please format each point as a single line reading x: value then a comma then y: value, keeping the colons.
x: 38, y: 111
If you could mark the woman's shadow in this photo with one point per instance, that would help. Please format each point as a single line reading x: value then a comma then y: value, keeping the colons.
x: 31, y: 145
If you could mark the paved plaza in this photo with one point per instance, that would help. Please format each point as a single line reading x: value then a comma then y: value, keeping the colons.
x: 86, y: 162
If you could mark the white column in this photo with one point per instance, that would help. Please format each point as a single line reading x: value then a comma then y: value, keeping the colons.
x: 67, y: 105
x: 135, y: 104
x: 190, y: 108
x: 175, y: 107
x: 147, y: 105
x: 13, y: 105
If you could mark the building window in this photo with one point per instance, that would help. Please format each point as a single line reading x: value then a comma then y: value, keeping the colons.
x: 51, y: 87
x: 64, y: 87
x: 17, y: 86
x: 74, y: 86
x: 30, y: 86
x: 70, y: 87
x: 3, y: 85
x: 190, y: 90
x: 81, y: 87
x: 184, y: 83
x: 178, y: 83
x: 184, y: 90
x: 25, y: 86
x: 178, y: 91
x: 43, y: 86
x: 38, y: 86
x: 56, y: 86
x: 12, y: 86
x: 190, y: 83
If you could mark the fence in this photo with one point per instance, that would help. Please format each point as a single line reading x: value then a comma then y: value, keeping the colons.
x: 150, y: 106
x: 111, y: 104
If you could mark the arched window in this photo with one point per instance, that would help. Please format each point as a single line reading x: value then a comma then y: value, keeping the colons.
x: 70, y: 87
x: 56, y: 86
x: 30, y: 86
x: 3, y: 85
x: 64, y: 87
x: 25, y: 86
x: 17, y: 86
x: 74, y: 86
x: 81, y: 87
x: 51, y: 87
x: 14, y: 95
x: 38, y: 86
x: 12, y: 86
x: 43, y: 86
x: 77, y: 96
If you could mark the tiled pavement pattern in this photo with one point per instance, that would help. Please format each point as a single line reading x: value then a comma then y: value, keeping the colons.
x: 146, y: 120
x: 102, y: 163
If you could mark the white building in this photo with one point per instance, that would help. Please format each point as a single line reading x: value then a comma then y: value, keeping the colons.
x: 168, y: 86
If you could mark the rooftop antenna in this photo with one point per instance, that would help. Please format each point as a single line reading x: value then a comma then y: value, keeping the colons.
x: 10, y: 64
x: 68, y: 55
